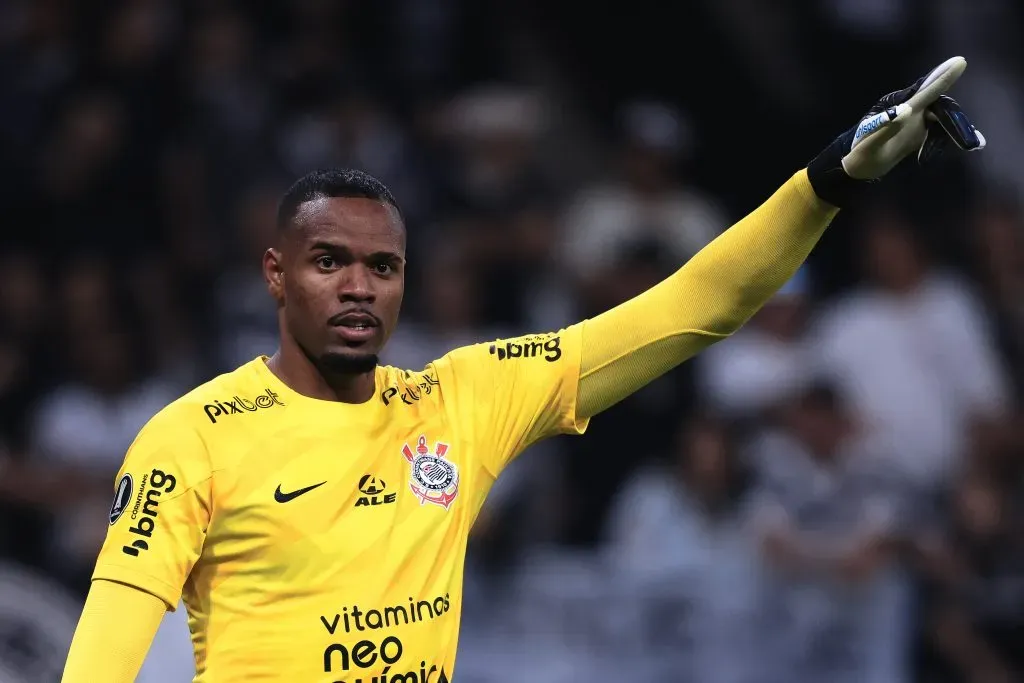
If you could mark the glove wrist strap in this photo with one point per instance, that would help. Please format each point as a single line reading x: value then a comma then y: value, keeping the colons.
x: 829, y: 180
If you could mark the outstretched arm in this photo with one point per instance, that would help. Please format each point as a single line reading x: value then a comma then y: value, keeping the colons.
x: 511, y: 393
x: 730, y: 279
x: 708, y: 299
x: 113, y: 634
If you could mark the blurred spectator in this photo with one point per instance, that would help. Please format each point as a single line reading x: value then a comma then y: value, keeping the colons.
x: 25, y: 313
x: 230, y: 99
x: 165, y: 328
x: 451, y: 313
x: 633, y: 430
x: 988, y: 31
x: 245, y: 314
x: 494, y: 132
x: 37, y: 61
x: 999, y: 243
x: 647, y: 203
x: 830, y: 514
x: 911, y: 351
x: 975, y: 573
x: 354, y: 131
x: 86, y: 424
x: 678, y: 530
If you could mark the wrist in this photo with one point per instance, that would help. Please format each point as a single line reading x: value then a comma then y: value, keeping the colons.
x: 828, y: 178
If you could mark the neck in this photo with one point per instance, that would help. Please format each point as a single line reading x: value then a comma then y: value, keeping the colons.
x: 293, y: 367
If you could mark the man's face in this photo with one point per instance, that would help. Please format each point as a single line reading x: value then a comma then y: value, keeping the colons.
x: 339, y: 277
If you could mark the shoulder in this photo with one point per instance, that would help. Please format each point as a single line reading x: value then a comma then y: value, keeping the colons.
x: 547, y: 347
x: 181, y: 431
x: 532, y: 355
x: 232, y: 393
x: 398, y: 385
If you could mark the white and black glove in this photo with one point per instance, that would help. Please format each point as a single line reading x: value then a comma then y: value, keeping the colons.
x: 919, y: 119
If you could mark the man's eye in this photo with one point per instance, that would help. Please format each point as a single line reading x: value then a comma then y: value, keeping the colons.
x: 383, y: 268
x: 325, y: 262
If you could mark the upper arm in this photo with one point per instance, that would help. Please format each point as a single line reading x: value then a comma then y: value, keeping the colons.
x: 514, y: 392
x: 113, y: 635
x: 627, y: 347
x: 160, y: 514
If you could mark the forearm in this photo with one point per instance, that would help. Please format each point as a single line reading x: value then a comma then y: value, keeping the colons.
x: 708, y: 299
x: 113, y: 635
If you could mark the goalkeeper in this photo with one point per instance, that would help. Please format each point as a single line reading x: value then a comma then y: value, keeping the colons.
x: 312, y: 508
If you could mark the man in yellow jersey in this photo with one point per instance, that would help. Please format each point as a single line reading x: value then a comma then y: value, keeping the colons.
x: 312, y: 508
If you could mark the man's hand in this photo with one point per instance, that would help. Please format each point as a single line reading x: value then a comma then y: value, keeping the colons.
x: 920, y: 119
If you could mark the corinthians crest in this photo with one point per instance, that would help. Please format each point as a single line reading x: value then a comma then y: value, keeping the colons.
x: 434, y: 479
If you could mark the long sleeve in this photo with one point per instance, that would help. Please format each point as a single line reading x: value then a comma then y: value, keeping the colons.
x: 113, y: 635
x: 708, y: 299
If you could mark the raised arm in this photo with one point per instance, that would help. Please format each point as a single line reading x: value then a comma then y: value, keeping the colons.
x: 714, y: 294
x: 708, y: 299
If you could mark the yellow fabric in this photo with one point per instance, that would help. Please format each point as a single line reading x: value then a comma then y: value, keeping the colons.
x: 708, y: 299
x: 361, y: 575
x: 113, y: 634
x: 323, y: 541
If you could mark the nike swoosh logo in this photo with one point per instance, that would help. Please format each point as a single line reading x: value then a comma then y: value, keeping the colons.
x: 282, y: 497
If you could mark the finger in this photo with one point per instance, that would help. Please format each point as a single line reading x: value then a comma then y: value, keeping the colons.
x: 877, y: 123
x: 955, y: 123
x: 935, y: 144
x: 981, y: 141
x: 938, y: 81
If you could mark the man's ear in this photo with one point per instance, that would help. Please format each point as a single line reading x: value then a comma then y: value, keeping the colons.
x: 273, y: 273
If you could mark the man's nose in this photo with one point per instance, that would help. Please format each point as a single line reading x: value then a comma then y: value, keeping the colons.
x: 356, y: 284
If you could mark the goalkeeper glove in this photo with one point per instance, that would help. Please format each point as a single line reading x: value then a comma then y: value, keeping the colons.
x: 920, y: 118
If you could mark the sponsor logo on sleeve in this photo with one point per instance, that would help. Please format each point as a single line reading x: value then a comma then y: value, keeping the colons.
x: 145, y: 511
x: 547, y: 347
x: 237, y: 405
x: 434, y: 478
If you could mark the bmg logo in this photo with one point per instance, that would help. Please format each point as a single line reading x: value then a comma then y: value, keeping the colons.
x: 153, y: 485
x: 550, y: 348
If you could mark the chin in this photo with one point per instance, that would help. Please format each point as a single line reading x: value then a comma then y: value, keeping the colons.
x: 348, y: 361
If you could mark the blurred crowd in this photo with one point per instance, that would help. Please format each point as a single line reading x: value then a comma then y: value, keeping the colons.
x: 835, y: 493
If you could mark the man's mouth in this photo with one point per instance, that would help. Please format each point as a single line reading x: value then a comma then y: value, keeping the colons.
x: 355, y: 326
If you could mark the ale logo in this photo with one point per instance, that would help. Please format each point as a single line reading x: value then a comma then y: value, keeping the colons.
x: 372, y: 489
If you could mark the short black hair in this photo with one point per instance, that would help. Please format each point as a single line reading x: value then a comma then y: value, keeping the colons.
x: 332, y: 182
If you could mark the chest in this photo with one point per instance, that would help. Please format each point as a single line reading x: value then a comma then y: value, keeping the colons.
x: 343, y: 506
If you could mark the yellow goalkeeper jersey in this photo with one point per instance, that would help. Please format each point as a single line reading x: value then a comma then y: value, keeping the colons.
x: 322, y: 541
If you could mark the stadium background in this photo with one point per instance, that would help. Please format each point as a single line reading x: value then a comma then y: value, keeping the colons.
x: 553, y: 160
